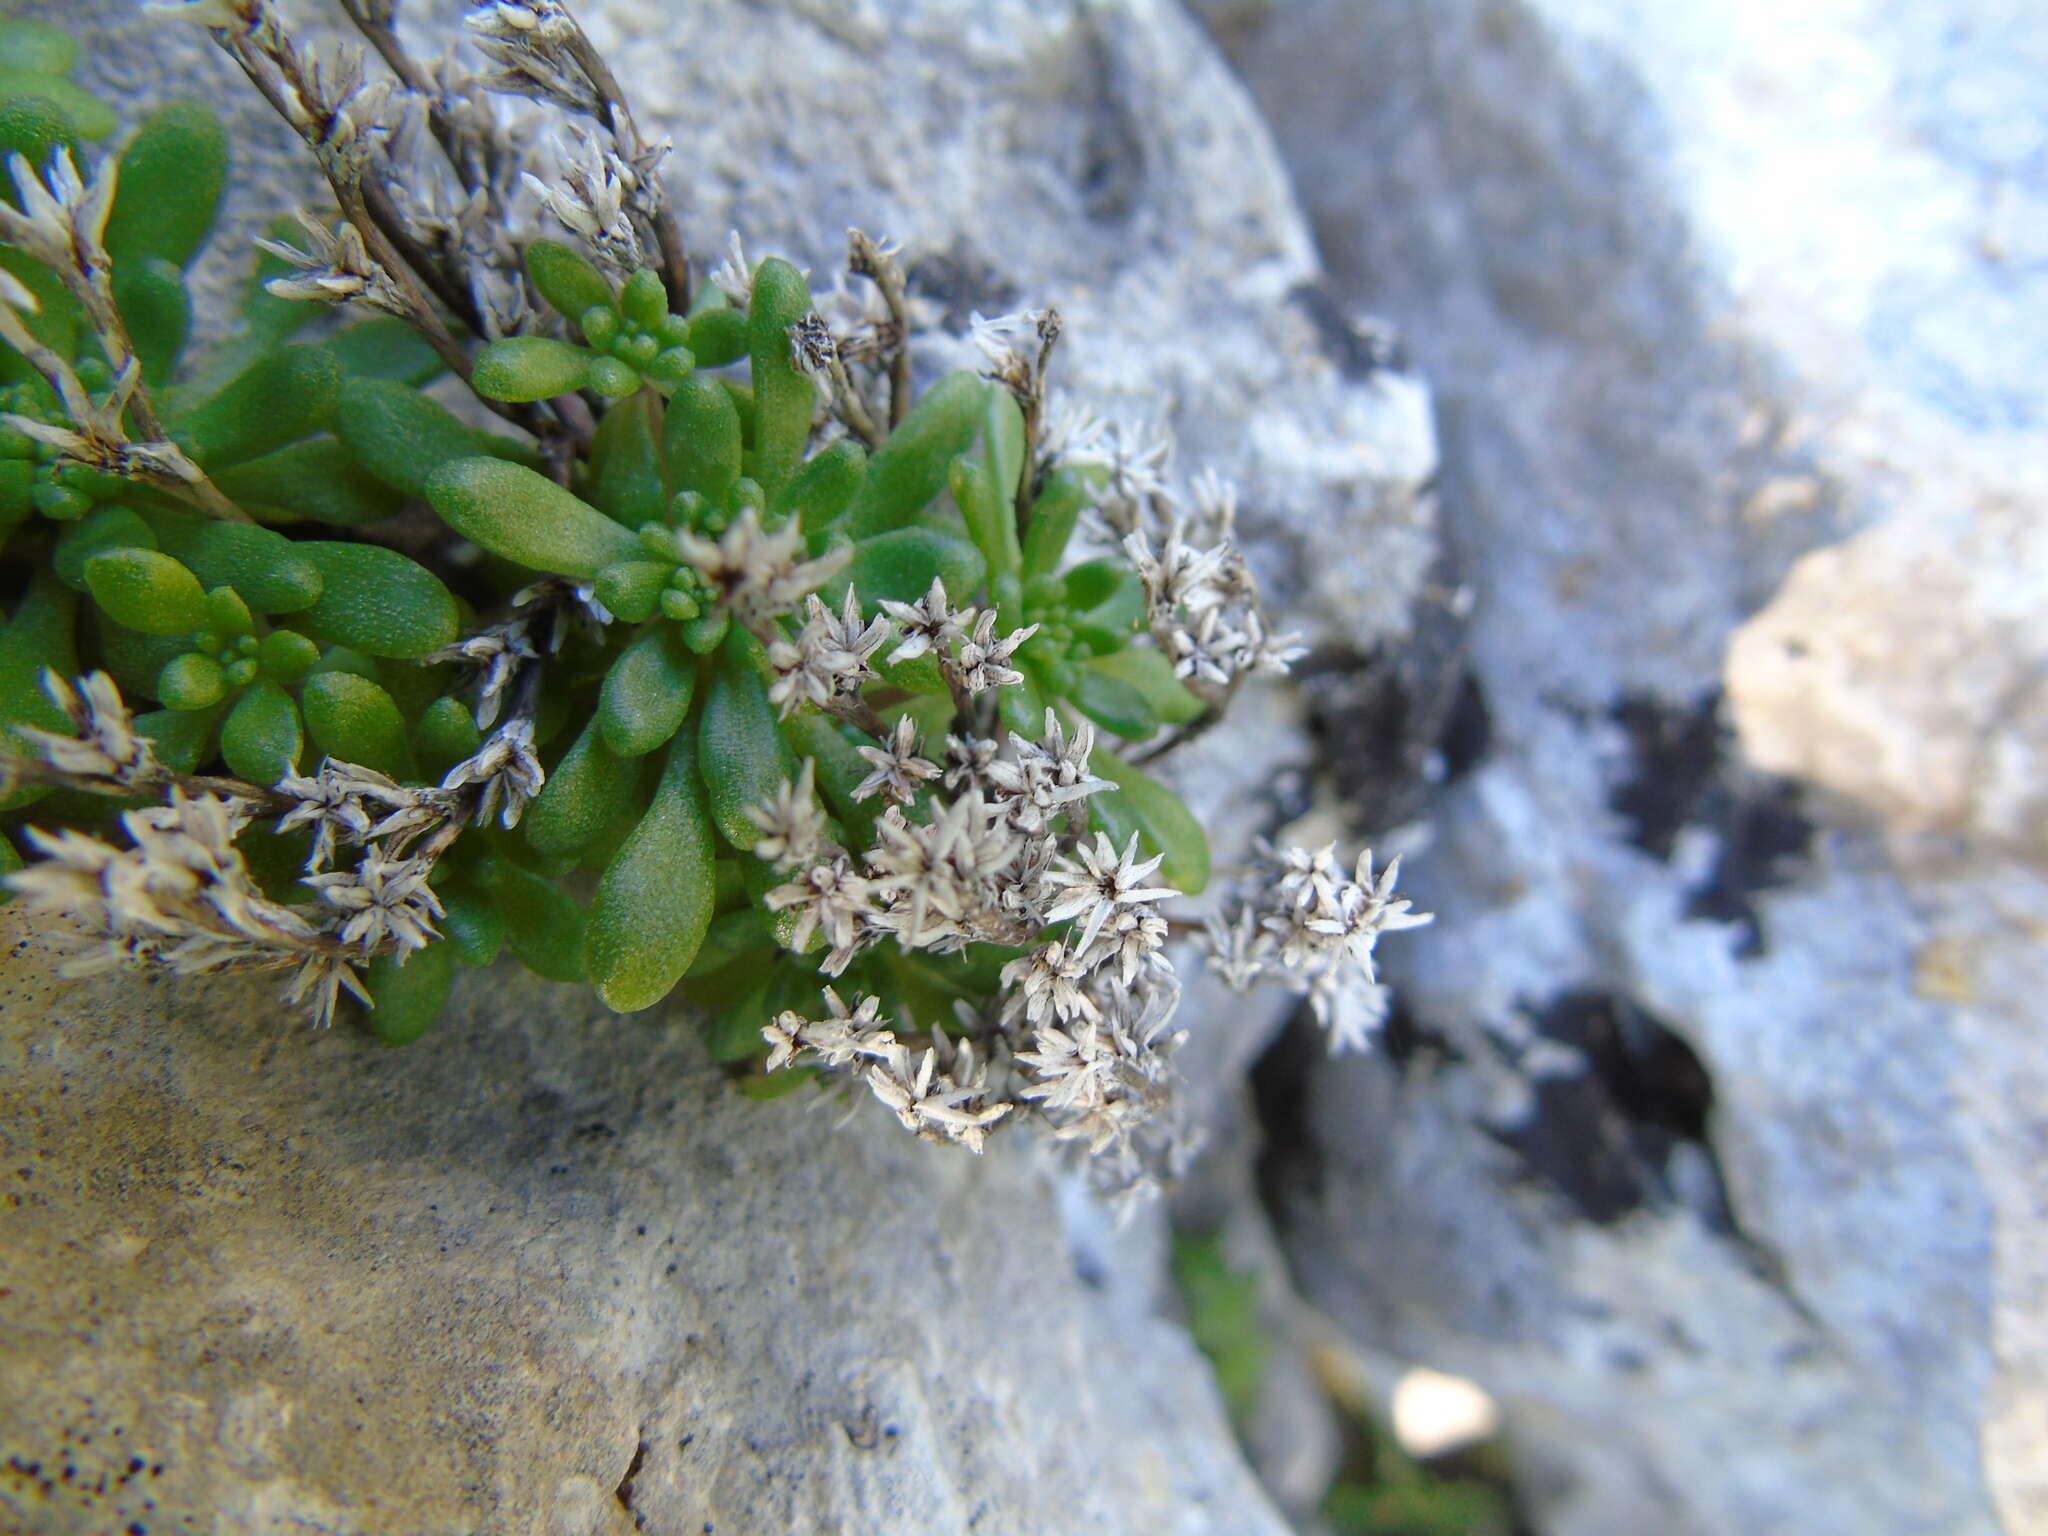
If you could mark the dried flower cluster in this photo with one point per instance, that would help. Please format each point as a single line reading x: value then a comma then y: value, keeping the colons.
x: 1301, y: 921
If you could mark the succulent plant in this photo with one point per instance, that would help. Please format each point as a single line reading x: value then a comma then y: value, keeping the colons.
x: 549, y: 601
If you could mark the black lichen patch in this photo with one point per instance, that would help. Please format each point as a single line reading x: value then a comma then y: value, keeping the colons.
x: 1764, y: 836
x: 1676, y: 756
x: 1608, y: 1137
x: 1684, y: 772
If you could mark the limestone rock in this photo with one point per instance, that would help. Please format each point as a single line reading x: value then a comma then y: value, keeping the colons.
x: 1709, y: 1138
x: 546, y: 1273
x: 1904, y: 666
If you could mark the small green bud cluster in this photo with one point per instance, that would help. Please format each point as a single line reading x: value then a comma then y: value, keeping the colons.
x: 631, y: 339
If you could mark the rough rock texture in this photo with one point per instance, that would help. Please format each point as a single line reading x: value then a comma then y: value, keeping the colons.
x: 551, y: 1274
x: 1710, y: 1137
x: 543, y: 1272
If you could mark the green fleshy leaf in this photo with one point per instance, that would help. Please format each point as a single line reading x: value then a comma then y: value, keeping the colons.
x: 631, y: 590
x: 526, y: 518
x: 629, y: 480
x: 1141, y: 804
x: 840, y: 769
x: 134, y: 660
x: 94, y: 534
x: 826, y: 485
x: 353, y: 719
x: 146, y: 590
x: 1068, y: 492
x: 907, y: 472
x: 568, y: 283
x: 446, y: 734
x: 991, y: 521
x: 1107, y: 600
x: 743, y: 756
x: 183, y: 738
x: 271, y: 572
x: 703, y: 438
x: 385, y: 347
x: 718, y: 336
x: 522, y: 368
x: 17, y: 486
x: 376, y: 600
x: 1113, y: 704
x: 1152, y: 675
x: 472, y: 926
x: 32, y: 123
x: 39, y: 636
x: 644, y: 300
x: 281, y: 397
x: 191, y: 681
x: 287, y: 656
x: 783, y: 397
x: 407, y: 999
x: 398, y: 434
x: 172, y: 176
x: 150, y: 294
x: 646, y: 693
x: 612, y: 378
x: 318, y: 478
x: 263, y: 736
x: 57, y: 320
x: 654, y: 903
x: 900, y: 566
x: 590, y: 788
x: 543, y: 924
x: 84, y: 115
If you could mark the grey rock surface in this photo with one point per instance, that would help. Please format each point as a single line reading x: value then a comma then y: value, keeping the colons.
x: 544, y: 1272
x: 550, y: 1274
x: 1711, y: 1140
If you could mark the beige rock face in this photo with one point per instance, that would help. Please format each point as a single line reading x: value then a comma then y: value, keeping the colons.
x: 1905, y: 668
x: 547, y: 1273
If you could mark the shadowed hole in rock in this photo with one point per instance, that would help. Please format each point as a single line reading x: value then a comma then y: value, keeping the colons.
x: 1619, y: 1112
x: 1389, y: 727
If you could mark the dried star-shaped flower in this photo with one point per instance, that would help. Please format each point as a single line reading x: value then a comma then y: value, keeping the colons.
x: 387, y: 902
x: 829, y: 658
x: 507, y: 771
x: 982, y: 660
x: 62, y: 220
x: 1050, y: 980
x: 756, y: 575
x: 107, y: 745
x: 898, y: 772
x: 931, y: 625
x: 337, y: 268
x: 838, y: 1038
x: 832, y: 896
x: 792, y: 823
x: 1102, y: 883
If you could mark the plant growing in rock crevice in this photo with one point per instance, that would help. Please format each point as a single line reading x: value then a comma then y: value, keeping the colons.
x: 722, y: 659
